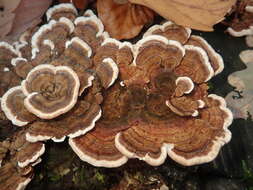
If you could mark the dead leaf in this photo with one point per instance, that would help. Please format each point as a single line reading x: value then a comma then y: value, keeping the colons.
x: 80, y: 4
x: 6, y: 16
x: 17, y: 16
x: 240, y: 101
x: 123, y: 20
x: 196, y: 14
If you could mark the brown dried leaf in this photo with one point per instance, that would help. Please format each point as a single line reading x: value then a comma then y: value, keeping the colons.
x: 80, y: 4
x: 123, y: 20
x: 18, y: 16
x: 6, y: 16
x: 196, y: 14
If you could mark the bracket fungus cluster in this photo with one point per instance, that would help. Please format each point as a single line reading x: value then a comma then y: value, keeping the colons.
x: 159, y: 105
x: 114, y: 100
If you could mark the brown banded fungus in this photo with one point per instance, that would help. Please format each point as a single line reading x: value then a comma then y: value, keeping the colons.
x: 18, y: 161
x: 117, y: 100
x: 159, y: 106
x: 12, y: 104
x: 60, y: 94
x: 50, y: 91
x: 90, y: 29
x: 66, y: 10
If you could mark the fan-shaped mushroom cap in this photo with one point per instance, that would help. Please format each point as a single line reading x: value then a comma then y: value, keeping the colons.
x: 98, y: 149
x: 214, y: 58
x: 199, y: 142
x: 12, y: 104
x: 171, y: 31
x: 55, y: 32
x: 159, y: 46
x: 51, y: 91
x: 152, y: 53
x: 76, y: 122
x: 66, y: 10
x: 76, y: 56
x: 179, y: 33
x: 90, y: 29
x: 119, y: 52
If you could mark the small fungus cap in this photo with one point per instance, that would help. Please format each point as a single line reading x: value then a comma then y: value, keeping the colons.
x: 50, y: 91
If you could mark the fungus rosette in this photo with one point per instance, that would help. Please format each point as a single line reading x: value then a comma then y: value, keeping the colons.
x: 151, y: 96
x: 18, y: 157
x: 55, y: 89
x: 160, y: 105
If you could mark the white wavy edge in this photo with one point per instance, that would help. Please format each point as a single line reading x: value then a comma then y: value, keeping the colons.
x: 98, y: 163
x: 217, y: 143
x: 159, y: 38
x: 187, y: 80
x: 244, y: 32
x: 17, y: 59
x: 57, y: 8
x: 81, y: 43
x: 175, y: 110
x: 115, y: 70
x: 39, y: 160
x: 88, y: 128
x: 162, y: 28
x: 216, y: 55
x: 35, y: 138
x: 89, y: 13
x: 153, y: 162
x: 83, y: 20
